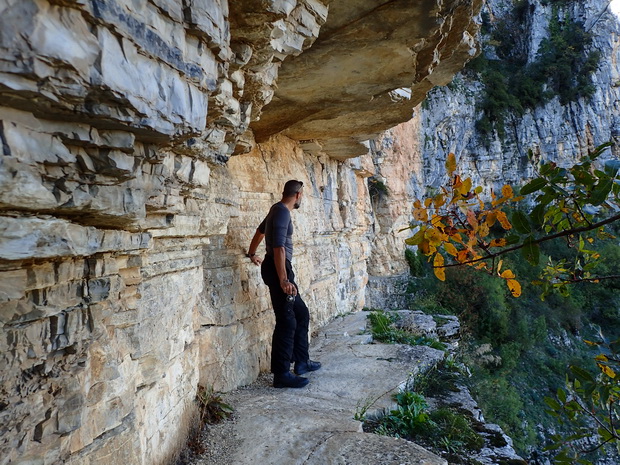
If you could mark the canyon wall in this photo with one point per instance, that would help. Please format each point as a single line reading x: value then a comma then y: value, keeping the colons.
x: 131, y: 183
x: 552, y: 131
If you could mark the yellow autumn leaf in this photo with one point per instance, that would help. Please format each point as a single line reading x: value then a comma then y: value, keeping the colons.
x: 451, y: 163
x: 420, y: 214
x: 503, y: 220
x: 438, y: 262
x: 607, y: 370
x: 471, y: 219
x: 507, y: 191
x: 417, y: 203
x: 434, y: 236
x: 439, y: 200
x: 601, y: 358
x: 508, y: 274
x: 514, y: 286
x: 483, y: 231
x: 498, y: 243
x: 465, y: 187
x: 436, y: 221
x: 590, y: 343
x: 491, y: 218
x: 461, y: 256
x: 499, y: 266
x: 450, y: 249
x: 456, y: 237
x: 427, y: 202
x: 424, y: 247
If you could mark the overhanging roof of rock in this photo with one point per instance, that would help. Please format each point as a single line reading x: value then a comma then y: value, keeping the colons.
x: 345, y: 88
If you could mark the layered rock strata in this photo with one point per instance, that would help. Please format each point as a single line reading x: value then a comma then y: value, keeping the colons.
x: 370, y: 65
x: 124, y: 219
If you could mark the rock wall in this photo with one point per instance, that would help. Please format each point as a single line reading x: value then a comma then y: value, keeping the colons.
x: 556, y: 132
x: 125, y: 216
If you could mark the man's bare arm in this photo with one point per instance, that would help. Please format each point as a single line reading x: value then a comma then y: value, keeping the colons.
x: 256, y: 240
x: 279, y: 256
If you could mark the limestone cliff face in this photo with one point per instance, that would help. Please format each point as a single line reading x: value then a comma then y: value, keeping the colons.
x: 125, y: 218
x: 370, y: 65
x: 554, y: 131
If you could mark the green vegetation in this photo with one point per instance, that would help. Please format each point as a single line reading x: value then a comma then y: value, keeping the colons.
x: 518, y: 350
x: 439, y: 380
x: 377, y: 189
x: 563, y: 67
x: 211, y: 409
x: 211, y: 406
x: 384, y: 330
x: 589, y: 400
x: 414, y: 262
x: 442, y: 430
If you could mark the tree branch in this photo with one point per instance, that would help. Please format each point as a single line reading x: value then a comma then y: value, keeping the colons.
x: 564, y: 233
x: 595, y: 279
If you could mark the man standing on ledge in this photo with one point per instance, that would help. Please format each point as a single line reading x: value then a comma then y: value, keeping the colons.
x: 290, y: 336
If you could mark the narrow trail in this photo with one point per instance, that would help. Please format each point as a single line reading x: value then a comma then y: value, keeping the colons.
x: 316, y: 425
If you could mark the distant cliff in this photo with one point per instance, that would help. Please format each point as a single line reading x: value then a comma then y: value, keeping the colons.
x: 555, y: 130
x: 410, y: 157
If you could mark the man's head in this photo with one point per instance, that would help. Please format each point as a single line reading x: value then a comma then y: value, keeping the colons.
x: 293, y: 188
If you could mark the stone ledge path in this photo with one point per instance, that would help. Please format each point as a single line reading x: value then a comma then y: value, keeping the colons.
x: 315, y: 425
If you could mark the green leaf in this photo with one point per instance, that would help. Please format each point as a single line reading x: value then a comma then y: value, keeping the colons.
x: 531, y: 251
x: 581, y: 374
x: 547, y: 198
x: 538, y: 215
x: 545, y: 168
x: 601, y: 190
x: 512, y: 239
x: 553, y: 446
x: 614, y: 346
x: 559, y: 175
x: 553, y: 404
x: 559, y: 189
x: 561, y: 395
x: 600, y: 149
x: 533, y: 186
x: 584, y: 178
x: 604, y: 434
x: 612, y: 167
x: 521, y: 223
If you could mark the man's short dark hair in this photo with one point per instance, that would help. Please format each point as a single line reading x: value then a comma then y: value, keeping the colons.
x: 291, y: 188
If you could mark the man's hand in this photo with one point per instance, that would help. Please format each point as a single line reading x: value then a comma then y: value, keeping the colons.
x: 256, y: 240
x: 288, y: 287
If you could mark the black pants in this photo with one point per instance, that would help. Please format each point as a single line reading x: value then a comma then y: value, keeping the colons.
x: 290, y: 336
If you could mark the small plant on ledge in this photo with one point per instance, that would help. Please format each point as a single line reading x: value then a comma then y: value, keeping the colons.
x: 383, y: 330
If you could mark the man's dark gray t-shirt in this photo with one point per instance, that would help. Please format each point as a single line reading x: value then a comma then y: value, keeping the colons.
x: 278, y: 230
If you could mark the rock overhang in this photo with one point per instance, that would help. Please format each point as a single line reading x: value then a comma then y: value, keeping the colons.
x: 342, y: 90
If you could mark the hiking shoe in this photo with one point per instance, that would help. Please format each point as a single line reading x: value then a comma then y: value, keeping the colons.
x: 289, y: 380
x: 305, y: 367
